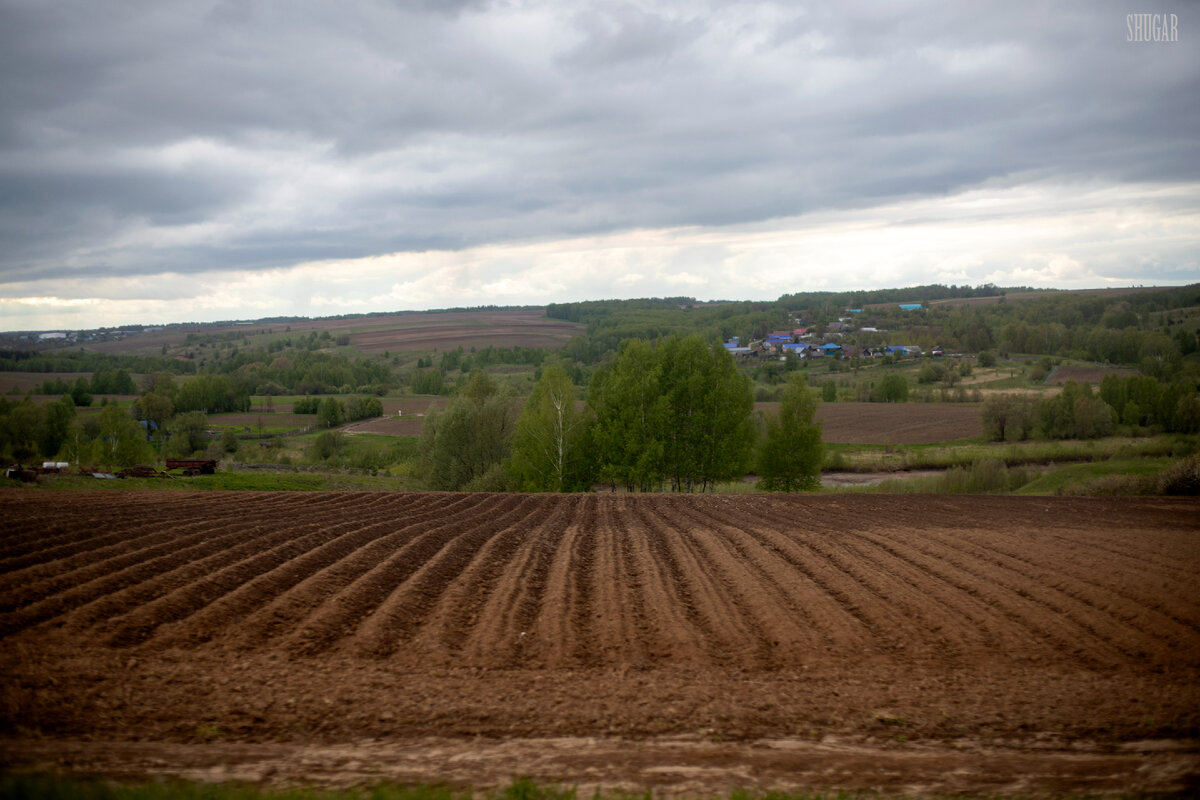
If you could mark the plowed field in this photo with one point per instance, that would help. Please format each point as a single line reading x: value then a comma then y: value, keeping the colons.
x: 894, y: 628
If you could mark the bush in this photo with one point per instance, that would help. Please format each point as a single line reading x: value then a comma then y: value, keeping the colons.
x: 327, y: 445
x: 1181, y: 478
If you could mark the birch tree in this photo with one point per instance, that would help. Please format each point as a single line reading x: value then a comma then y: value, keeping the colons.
x: 550, y: 449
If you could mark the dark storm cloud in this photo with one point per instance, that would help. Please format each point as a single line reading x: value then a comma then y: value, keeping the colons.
x: 142, y: 136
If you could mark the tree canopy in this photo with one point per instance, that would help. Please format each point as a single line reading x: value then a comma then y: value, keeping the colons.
x: 791, y: 453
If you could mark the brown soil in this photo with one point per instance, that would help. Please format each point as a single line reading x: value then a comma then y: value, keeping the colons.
x: 894, y: 423
x: 1092, y: 375
x: 468, y: 329
x: 395, y: 332
x: 680, y: 643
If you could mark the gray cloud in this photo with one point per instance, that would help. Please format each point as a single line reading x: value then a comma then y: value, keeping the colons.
x: 192, y: 136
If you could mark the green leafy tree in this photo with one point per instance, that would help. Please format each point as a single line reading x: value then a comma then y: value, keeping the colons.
x: 1007, y: 418
x: 121, y: 441
x: 465, y: 446
x: 19, y: 430
x: 892, y: 389
x: 630, y: 416
x: 189, y: 433
x: 327, y: 445
x: 329, y: 413
x: 792, y: 451
x: 550, y: 447
x: 55, y: 425
x: 363, y: 408
x: 677, y: 413
x: 154, y: 407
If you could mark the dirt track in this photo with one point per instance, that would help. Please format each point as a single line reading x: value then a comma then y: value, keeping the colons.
x: 1027, y: 628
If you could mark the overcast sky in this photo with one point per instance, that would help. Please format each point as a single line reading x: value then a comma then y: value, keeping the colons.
x: 170, y: 161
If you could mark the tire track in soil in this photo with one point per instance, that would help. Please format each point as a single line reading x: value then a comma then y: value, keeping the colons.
x: 619, y: 619
x: 873, y: 590
x: 168, y: 521
x: 1162, y: 611
x: 226, y: 613
x: 344, y: 579
x: 451, y: 586
x: 783, y: 596
x: 342, y: 615
x: 107, y: 612
x: 106, y: 593
x: 501, y: 631
x: 1001, y: 629
x: 971, y: 625
x: 839, y: 603
x: 700, y: 603
x: 217, y: 581
x: 565, y: 607
x: 730, y: 570
x: 1136, y: 637
x: 1059, y: 634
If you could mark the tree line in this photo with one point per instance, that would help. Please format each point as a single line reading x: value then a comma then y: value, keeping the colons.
x: 675, y: 415
x: 1080, y: 412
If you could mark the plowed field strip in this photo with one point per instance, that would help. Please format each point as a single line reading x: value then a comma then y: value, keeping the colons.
x: 1027, y: 605
x: 340, y: 615
x: 242, y: 541
x: 795, y: 596
x: 808, y: 552
x: 618, y: 623
x: 498, y: 626
x: 44, y: 580
x: 751, y: 594
x: 1140, y: 603
x: 124, y: 529
x: 107, y: 584
x: 715, y: 630
x: 460, y: 569
x: 1170, y: 564
x: 118, y: 538
x: 634, y: 588
x: 878, y: 574
x: 129, y: 547
x: 217, y: 582
x: 371, y: 542
x: 344, y: 582
x: 1079, y: 600
x: 965, y: 620
x: 752, y: 547
x: 567, y: 596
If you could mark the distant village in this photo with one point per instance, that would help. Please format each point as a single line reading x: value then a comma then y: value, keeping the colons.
x: 804, y: 343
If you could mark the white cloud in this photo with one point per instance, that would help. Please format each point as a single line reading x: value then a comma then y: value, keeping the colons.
x: 1068, y: 236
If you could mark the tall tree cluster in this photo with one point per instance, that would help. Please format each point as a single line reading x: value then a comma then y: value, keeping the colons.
x: 790, y: 457
x: 673, y: 416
